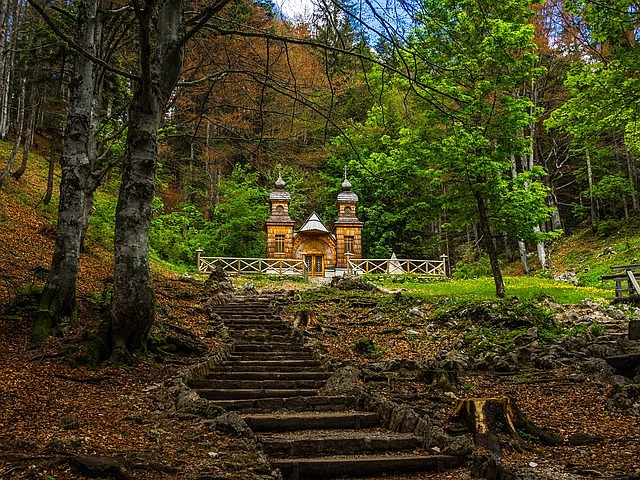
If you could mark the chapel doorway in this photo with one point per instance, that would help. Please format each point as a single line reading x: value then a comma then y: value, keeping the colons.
x: 315, y: 265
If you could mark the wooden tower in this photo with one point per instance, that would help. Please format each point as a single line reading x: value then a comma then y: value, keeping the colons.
x: 279, y: 225
x: 347, y: 229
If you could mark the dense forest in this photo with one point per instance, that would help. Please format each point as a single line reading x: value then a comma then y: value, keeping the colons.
x: 467, y: 128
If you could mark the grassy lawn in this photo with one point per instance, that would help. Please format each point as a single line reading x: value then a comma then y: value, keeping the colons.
x: 482, y: 289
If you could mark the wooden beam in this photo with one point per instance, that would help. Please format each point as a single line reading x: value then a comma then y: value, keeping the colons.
x: 633, y: 281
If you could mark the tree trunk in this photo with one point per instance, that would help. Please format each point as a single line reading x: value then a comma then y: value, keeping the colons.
x: 522, y: 247
x: 8, y: 30
x: 556, y: 221
x: 542, y: 253
x: 59, y: 294
x: 133, y: 307
x: 633, y: 176
x: 49, y: 193
x: 490, y: 245
x: 28, y: 139
x: 592, y: 200
x: 489, y: 418
x: 19, y: 128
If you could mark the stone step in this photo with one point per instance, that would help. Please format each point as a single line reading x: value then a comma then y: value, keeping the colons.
x: 274, y: 365
x: 257, y: 336
x: 287, y: 422
x: 319, y: 443
x: 238, y: 375
x: 267, y: 325
x: 253, y: 347
x: 332, y: 467
x: 291, y: 404
x: 239, y: 365
x: 275, y: 355
x: 252, y: 393
x: 247, y: 315
x: 236, y: 384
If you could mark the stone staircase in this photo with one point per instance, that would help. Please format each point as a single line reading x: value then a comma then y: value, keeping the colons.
x: 274, y: 382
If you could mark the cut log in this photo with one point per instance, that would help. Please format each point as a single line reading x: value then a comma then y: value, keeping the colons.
x: 492, y: 420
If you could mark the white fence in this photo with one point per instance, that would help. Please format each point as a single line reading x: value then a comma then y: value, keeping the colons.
x: 399, y: 266
x: 295, y: 266
x: 269, y: 266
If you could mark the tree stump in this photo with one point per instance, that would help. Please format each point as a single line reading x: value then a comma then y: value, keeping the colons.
x: 493, y: 419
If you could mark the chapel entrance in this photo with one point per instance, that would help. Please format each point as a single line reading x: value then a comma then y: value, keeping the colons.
x: 315, y: 265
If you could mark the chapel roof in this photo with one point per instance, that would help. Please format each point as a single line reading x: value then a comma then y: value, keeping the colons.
x: 313, y: 224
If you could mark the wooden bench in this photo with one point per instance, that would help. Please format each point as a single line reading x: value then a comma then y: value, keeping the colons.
x: 626, y: 278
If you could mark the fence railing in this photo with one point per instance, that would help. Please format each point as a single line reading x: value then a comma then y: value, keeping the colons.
x: 295, y: 266
x: 399, y: 266
x: 269, y: 266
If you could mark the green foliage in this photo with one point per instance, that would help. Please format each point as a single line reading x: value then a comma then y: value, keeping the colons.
x: 237, y: 228
x: 103, y: 219
x: 473, y: 263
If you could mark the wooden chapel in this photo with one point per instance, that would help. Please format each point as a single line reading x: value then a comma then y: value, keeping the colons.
x: 325, y: 252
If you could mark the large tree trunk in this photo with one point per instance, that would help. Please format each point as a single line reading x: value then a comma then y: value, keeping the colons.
x: 59, y: 294
x: 133, y: 307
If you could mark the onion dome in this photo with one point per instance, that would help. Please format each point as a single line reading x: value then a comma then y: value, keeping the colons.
x: 279, y: 193
x: 346, y: 195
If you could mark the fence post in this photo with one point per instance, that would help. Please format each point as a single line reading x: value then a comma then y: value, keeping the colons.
x: 445, y: 265
x: 198, y: 251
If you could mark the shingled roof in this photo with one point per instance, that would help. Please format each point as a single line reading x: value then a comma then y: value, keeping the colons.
x: 313, y: 224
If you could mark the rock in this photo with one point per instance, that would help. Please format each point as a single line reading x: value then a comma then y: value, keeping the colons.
x: 545, y: 362
x: 415, y: 312
x: 525, y: 338
x: 569, y: 276
x: 599, y: 369
x: 461, y: 445
x: 523, y: 354
x: 619, y: 380
x: 507, y: 363
x: 352, y: 282
x: 487, y: 465
x: 596, y: 350
x: 219, y: 281
x: 231, y: 422
x: 454, y: 361
x: 625, y: 398
x: 344, y: 380
x: 69, y: 422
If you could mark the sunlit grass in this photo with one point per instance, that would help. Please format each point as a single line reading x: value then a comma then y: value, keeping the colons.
x: 483, y: 289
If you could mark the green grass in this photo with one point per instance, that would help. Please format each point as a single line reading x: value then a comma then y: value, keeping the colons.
x: 483, y: 289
